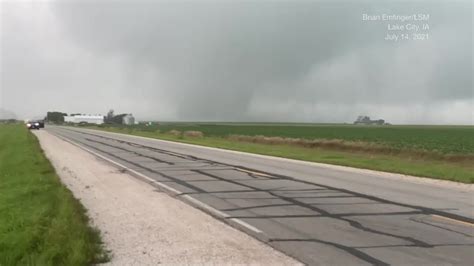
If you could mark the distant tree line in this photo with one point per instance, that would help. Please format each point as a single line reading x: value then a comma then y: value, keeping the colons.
x: 8, y: 121
x: 55, y: 117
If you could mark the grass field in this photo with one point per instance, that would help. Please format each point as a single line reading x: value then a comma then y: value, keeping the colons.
x: 443, y: 152
x: 40, y: 221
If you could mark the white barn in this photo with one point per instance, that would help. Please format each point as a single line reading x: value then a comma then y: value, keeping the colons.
x: 91, y: 119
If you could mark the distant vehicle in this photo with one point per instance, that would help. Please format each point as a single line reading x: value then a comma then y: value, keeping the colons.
x: 34, y: 125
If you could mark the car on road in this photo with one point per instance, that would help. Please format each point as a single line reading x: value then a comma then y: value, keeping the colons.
x: 34, y: 125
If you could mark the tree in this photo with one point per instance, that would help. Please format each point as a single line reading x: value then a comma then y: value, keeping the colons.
x: 110, y: 116
x: 55, y: 117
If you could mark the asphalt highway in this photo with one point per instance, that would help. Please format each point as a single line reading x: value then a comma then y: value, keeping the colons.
x: 317, y: 214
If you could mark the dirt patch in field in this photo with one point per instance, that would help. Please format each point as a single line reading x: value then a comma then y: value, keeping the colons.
x: 175, y: 132
x: 193, y: 134
x: 353, y: 146
x: 142, y: 226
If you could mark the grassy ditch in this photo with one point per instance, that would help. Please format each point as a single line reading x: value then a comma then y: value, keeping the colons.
x: 41, y: 223
x: 368, y: 155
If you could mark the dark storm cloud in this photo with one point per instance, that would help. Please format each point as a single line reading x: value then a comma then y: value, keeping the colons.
x: 216, y: 55
x: 273, y: 61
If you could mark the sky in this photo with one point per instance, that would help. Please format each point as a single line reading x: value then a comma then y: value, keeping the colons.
x: 272, y: 61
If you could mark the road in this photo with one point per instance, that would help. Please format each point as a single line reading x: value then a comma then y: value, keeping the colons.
x: 314, y: 213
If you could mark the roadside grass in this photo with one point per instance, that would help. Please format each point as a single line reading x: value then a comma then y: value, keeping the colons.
x: 41, y: 223
x: 403, y: 162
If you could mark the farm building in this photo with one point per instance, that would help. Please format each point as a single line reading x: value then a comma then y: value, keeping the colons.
x: 91, y: 119
x: 365, y: 120
x: 128, y: 119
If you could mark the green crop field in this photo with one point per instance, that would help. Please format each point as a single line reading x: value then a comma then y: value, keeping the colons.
x: 443, y: 139
x: 442, y: 152
x: 41, y: 223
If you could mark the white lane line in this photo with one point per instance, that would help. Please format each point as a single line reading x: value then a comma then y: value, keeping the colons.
x: 187, y: 197
x: 124, y: 167
x: 221, y: 214
x: 246, y: 225
x: 205, y: 206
